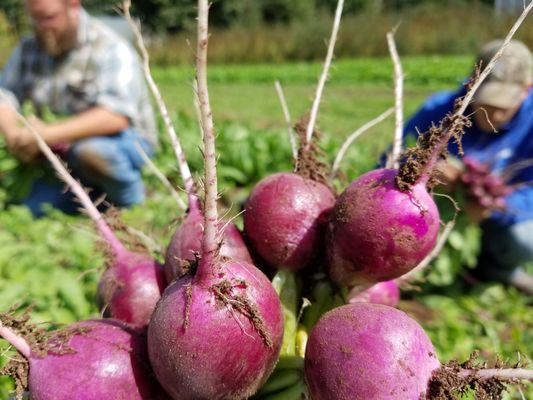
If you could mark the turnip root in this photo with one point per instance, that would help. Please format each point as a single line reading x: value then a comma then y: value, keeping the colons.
x: 368, y: 351
x: 88, y: 360
x: 386, y: 293
x: 373, y: 351
x: 484, y: 187
x: 379, y: 232
x: 133, y: 282
x: 217, y: 334
x: 286, y: 213
x: 185, y: 245
x: 285, y: 219
x: 130, y: 287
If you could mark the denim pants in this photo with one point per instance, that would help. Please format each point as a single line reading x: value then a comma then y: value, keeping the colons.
x: 109, y: 165
x: 504, y: 250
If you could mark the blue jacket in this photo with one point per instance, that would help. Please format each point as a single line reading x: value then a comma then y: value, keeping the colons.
x: 512, y: 144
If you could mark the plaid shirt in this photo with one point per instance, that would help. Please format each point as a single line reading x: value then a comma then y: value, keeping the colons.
x: 102, y: 70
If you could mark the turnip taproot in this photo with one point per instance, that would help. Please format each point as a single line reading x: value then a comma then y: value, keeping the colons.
x: 217, y: 334
x: 368, y: 351
x: 87, y: 360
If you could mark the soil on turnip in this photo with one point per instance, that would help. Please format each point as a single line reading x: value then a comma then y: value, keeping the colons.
x: 446, y: 383
x: 223, y: 292
x: 40, y: 341
x: 114, y: 219
x: 308, y: 163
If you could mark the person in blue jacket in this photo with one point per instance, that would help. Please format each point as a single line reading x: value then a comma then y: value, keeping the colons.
x: 501, y: 137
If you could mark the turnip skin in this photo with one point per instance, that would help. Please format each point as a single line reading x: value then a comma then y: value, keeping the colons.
x: 201, y: 348
x: 368, y: 351
x: 131, y: 287
x: 110, y: 362
x: 386, y: 293
x: 285, y: 219
x: 378, y: 232
x: 185, y: 244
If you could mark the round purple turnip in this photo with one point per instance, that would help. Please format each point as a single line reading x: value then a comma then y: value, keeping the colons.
x: 130, y: 288
x: 89, y: 360
x: 186, y: 244
x: 378, y: 232
x: 285, y: 219
x: 133, y: 282
x: 216, y: 337
x: 217, y: 334
x: 368, y: 351
x: 386, y: 293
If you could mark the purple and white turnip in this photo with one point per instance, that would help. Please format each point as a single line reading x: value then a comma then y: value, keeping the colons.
x: 215, y: 334
x: 368, y: 351
x: 88, y: 360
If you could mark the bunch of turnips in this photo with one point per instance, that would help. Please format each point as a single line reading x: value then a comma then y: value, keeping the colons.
x: 286, y: 309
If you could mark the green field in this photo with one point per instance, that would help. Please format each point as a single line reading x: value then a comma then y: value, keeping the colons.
x: 54, y: 263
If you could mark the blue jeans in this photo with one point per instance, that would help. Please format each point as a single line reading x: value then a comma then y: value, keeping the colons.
x: 109, y: 165
x: 504, y: 250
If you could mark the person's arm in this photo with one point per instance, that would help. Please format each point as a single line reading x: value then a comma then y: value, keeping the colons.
x: 96, y: 121
x: 9, y: 127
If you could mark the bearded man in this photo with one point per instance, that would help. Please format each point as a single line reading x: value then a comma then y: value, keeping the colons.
x: 91, y: 80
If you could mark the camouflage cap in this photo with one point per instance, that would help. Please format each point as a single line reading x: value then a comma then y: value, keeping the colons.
x: 512, y: 74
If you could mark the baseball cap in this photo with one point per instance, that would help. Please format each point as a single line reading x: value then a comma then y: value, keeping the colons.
x: 512, y: 73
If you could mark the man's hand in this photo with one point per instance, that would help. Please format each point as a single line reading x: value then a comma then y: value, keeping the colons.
x: 475, y: 211
x: 450, y: 171
x: 23, y: 144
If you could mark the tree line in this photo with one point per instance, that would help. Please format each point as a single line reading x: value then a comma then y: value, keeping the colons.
x: 170, y: 16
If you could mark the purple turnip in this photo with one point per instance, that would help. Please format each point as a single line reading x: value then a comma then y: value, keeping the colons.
x: 217, y: 334
x: 373, y: 351
x: 368, y: 351
x: 386, y: 222
x: 378, y: 232
x: 285, y: 219
x: 132, y: 282
x: 185, y: 244
x: 88, y: 360
x: 386, y: 293
x: 286, y: 213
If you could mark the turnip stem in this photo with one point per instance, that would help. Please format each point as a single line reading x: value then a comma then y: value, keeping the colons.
x: 162, y: 178
x: 16, y: 340
x: 323, y: 76
x: 456, y: 117
x: 209, y: 241
x: 91, y: 210
x: 188, y: 182
x: 398, y: 103
x: 355, y: 135
x: 497, y: 373
x: 287, y: 115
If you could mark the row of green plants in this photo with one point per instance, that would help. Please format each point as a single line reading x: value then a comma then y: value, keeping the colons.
x: 423, y: 28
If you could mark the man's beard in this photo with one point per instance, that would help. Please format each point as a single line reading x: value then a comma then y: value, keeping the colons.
x: 55, y: 44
